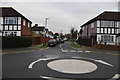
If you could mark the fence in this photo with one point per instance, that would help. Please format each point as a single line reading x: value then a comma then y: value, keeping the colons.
x: 39, y: 40
x: 86, y: 41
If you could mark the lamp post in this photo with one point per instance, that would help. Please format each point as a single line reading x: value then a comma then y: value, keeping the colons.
x: 46, y: 19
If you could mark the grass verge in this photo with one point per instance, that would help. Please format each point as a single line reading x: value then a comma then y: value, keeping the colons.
x: 75, y: 45
x: 44, y: 46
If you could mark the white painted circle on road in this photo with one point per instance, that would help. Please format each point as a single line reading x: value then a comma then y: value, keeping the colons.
x: 72, y: 66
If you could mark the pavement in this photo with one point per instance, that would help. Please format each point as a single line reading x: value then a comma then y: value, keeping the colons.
x: 22, y: 50
x: 112, y: 52
x: 45, y: 64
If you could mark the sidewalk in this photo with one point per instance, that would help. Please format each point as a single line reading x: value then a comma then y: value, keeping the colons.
x: 85, y: 48
x: 114, y: 52
x: 21, y: 50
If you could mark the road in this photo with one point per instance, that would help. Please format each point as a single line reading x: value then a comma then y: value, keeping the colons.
x: 35, y: 64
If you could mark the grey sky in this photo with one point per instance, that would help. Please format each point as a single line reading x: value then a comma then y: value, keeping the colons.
x: 63, y: 15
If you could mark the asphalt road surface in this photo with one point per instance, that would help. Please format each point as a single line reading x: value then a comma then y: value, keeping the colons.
x: 58, y: 62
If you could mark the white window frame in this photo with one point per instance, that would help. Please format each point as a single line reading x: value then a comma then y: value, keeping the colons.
x: 24, y: 22
x: 10, y: 20
x: 10, y: 27
x: 92, y: 25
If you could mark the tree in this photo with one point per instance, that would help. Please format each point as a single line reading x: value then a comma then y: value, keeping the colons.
x: 56, y: 35
x: 74, y: 33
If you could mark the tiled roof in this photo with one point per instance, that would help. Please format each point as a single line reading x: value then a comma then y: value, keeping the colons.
x: 107, y: 15
x: 9, y: 11
x: 38, y: 28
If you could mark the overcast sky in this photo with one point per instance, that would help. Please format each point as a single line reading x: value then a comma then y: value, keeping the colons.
x: 62, y: 15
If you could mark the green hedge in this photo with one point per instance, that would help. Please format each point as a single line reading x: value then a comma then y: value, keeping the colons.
x: 16, y: 42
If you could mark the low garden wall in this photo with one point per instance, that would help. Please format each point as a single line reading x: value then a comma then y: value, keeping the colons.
x: 109, y: 47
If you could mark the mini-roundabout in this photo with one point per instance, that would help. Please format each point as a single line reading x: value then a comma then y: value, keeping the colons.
x: 72, y: 68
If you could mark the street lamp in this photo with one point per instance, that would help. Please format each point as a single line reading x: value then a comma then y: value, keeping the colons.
x: 46, y: 19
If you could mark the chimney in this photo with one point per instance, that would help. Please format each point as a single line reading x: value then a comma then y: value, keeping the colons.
x: 36, y: 25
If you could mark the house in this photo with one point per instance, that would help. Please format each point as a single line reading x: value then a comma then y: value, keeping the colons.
x: 12, y: 23
x: 41, y: 31
x: 38, y: 31
x: 103, y: 29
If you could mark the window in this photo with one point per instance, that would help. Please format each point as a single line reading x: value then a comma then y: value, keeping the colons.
x: 15, y: 27
x: 19, y: 27
x: 118, y: 24
x: 107, y: 38
x: 112, y: 31
x: 105, y: 31
x: 28, y: 24
x: 10, y: 20
x: 107, y: 23
x: 101, y: 30
x: 98, y: 23
x: 10, y: 28
x: 83, y: 28
x: 6, y: 27
x: 15, y: 34
x: 1, y: 27
x: 108, y: 30
x: 5, y: 33
x: 92, y: 25
x: 98, y: 30
x: 23, y: 22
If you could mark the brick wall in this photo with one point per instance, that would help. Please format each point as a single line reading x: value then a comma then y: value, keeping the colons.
x: 109, y: 47
x: 25, y: 30
x: 39, y: 40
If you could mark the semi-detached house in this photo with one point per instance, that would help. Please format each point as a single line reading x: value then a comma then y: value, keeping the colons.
x: 12, y: 23
x: 103, y: 29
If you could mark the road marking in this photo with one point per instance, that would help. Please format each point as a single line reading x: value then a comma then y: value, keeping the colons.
x: 65, y: 51
x: 116, y: 76
x: 72, y: 51
x: 62, y: 49
x: 100, y: 61
x: 103, y: 62
x: 52, y: 78
x: 87, y: 51
x: 31, y: 65
x: 79, y: 51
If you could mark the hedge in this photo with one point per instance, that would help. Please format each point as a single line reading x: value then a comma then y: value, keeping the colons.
x: 16, y: 42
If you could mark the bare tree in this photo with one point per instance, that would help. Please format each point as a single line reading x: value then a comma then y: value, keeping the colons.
x: 74, y: 33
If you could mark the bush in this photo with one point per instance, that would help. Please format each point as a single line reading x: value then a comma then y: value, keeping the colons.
x: 16, y: 42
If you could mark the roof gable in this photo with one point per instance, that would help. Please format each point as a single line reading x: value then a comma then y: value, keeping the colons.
x: 10, y: 12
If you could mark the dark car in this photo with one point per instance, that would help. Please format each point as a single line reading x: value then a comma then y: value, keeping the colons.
x: 52, y: 42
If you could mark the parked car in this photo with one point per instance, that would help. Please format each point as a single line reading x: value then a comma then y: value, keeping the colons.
x: 52, y: 42
x: 62, y: 41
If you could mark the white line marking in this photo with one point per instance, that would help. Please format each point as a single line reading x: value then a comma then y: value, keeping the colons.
x: 79, y: 51
x: 116, y: 76
x: 52, y: 78
x: 31, y: 65
x: 65, y: 50
x: 62, y: 49
x: 87, y: 51
x: 72, y: 51
x: 100, y: 61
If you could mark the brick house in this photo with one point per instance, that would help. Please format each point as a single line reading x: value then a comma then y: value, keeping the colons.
x: 12, y: 23
x: 38, y: 31
x: 41, y: 31
x: 103, y: 29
